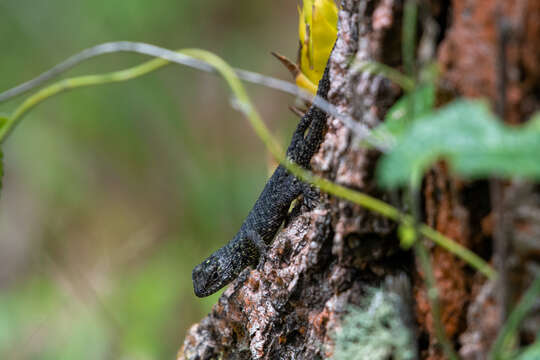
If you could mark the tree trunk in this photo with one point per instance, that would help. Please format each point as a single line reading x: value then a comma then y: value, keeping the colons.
x: 337, y: 257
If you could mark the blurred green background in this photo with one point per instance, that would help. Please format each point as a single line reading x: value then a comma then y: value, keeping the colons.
x: 113, y: 193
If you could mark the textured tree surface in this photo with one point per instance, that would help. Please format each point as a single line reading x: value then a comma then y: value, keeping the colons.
x: 326, y: 259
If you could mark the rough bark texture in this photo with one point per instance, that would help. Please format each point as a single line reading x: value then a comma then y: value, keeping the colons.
x: 325, y: 260
x: 476, y: 63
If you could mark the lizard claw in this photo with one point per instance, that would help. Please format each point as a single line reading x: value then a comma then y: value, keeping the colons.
x: 261, y: 246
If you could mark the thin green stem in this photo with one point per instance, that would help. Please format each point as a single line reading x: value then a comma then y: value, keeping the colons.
x: 504, y: 339
x: 373, y: 67
x: 408, y: 42
x: 245, y: 105
x: 462, y: 252
x: 361, y: 130
x: 73, y: 83
x: 431, y: 283
x: 408, y: 51
x: 433, y: 298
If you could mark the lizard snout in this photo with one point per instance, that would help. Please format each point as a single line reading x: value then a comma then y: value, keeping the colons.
x: 206, y: 278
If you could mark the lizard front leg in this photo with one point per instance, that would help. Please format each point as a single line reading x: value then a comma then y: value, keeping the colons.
x: 261, y: 246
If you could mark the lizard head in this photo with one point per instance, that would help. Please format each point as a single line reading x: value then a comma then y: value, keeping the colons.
x: 223, y: 266
x: 210, y: 276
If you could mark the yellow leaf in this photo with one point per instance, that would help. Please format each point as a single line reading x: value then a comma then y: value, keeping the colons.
x: 303, y: 82
x: 317, y: 30
x: 328, y: 9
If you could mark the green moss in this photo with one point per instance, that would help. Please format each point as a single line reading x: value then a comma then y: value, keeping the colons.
x: 374, y: 331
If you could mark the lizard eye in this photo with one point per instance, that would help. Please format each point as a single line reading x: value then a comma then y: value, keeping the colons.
x: 214, y: 276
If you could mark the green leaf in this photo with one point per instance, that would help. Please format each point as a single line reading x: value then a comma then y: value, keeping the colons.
x: 423, y: 99
x: 398, y: 119
x: 470, y: 138
x: 531, y: 352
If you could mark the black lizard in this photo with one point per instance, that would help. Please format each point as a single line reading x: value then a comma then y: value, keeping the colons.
x: 249, y: 245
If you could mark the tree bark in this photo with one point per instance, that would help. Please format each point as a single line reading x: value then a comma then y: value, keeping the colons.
x: 329, y: 259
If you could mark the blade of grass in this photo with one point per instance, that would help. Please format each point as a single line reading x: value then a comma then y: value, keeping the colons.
x: 507, y: 333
